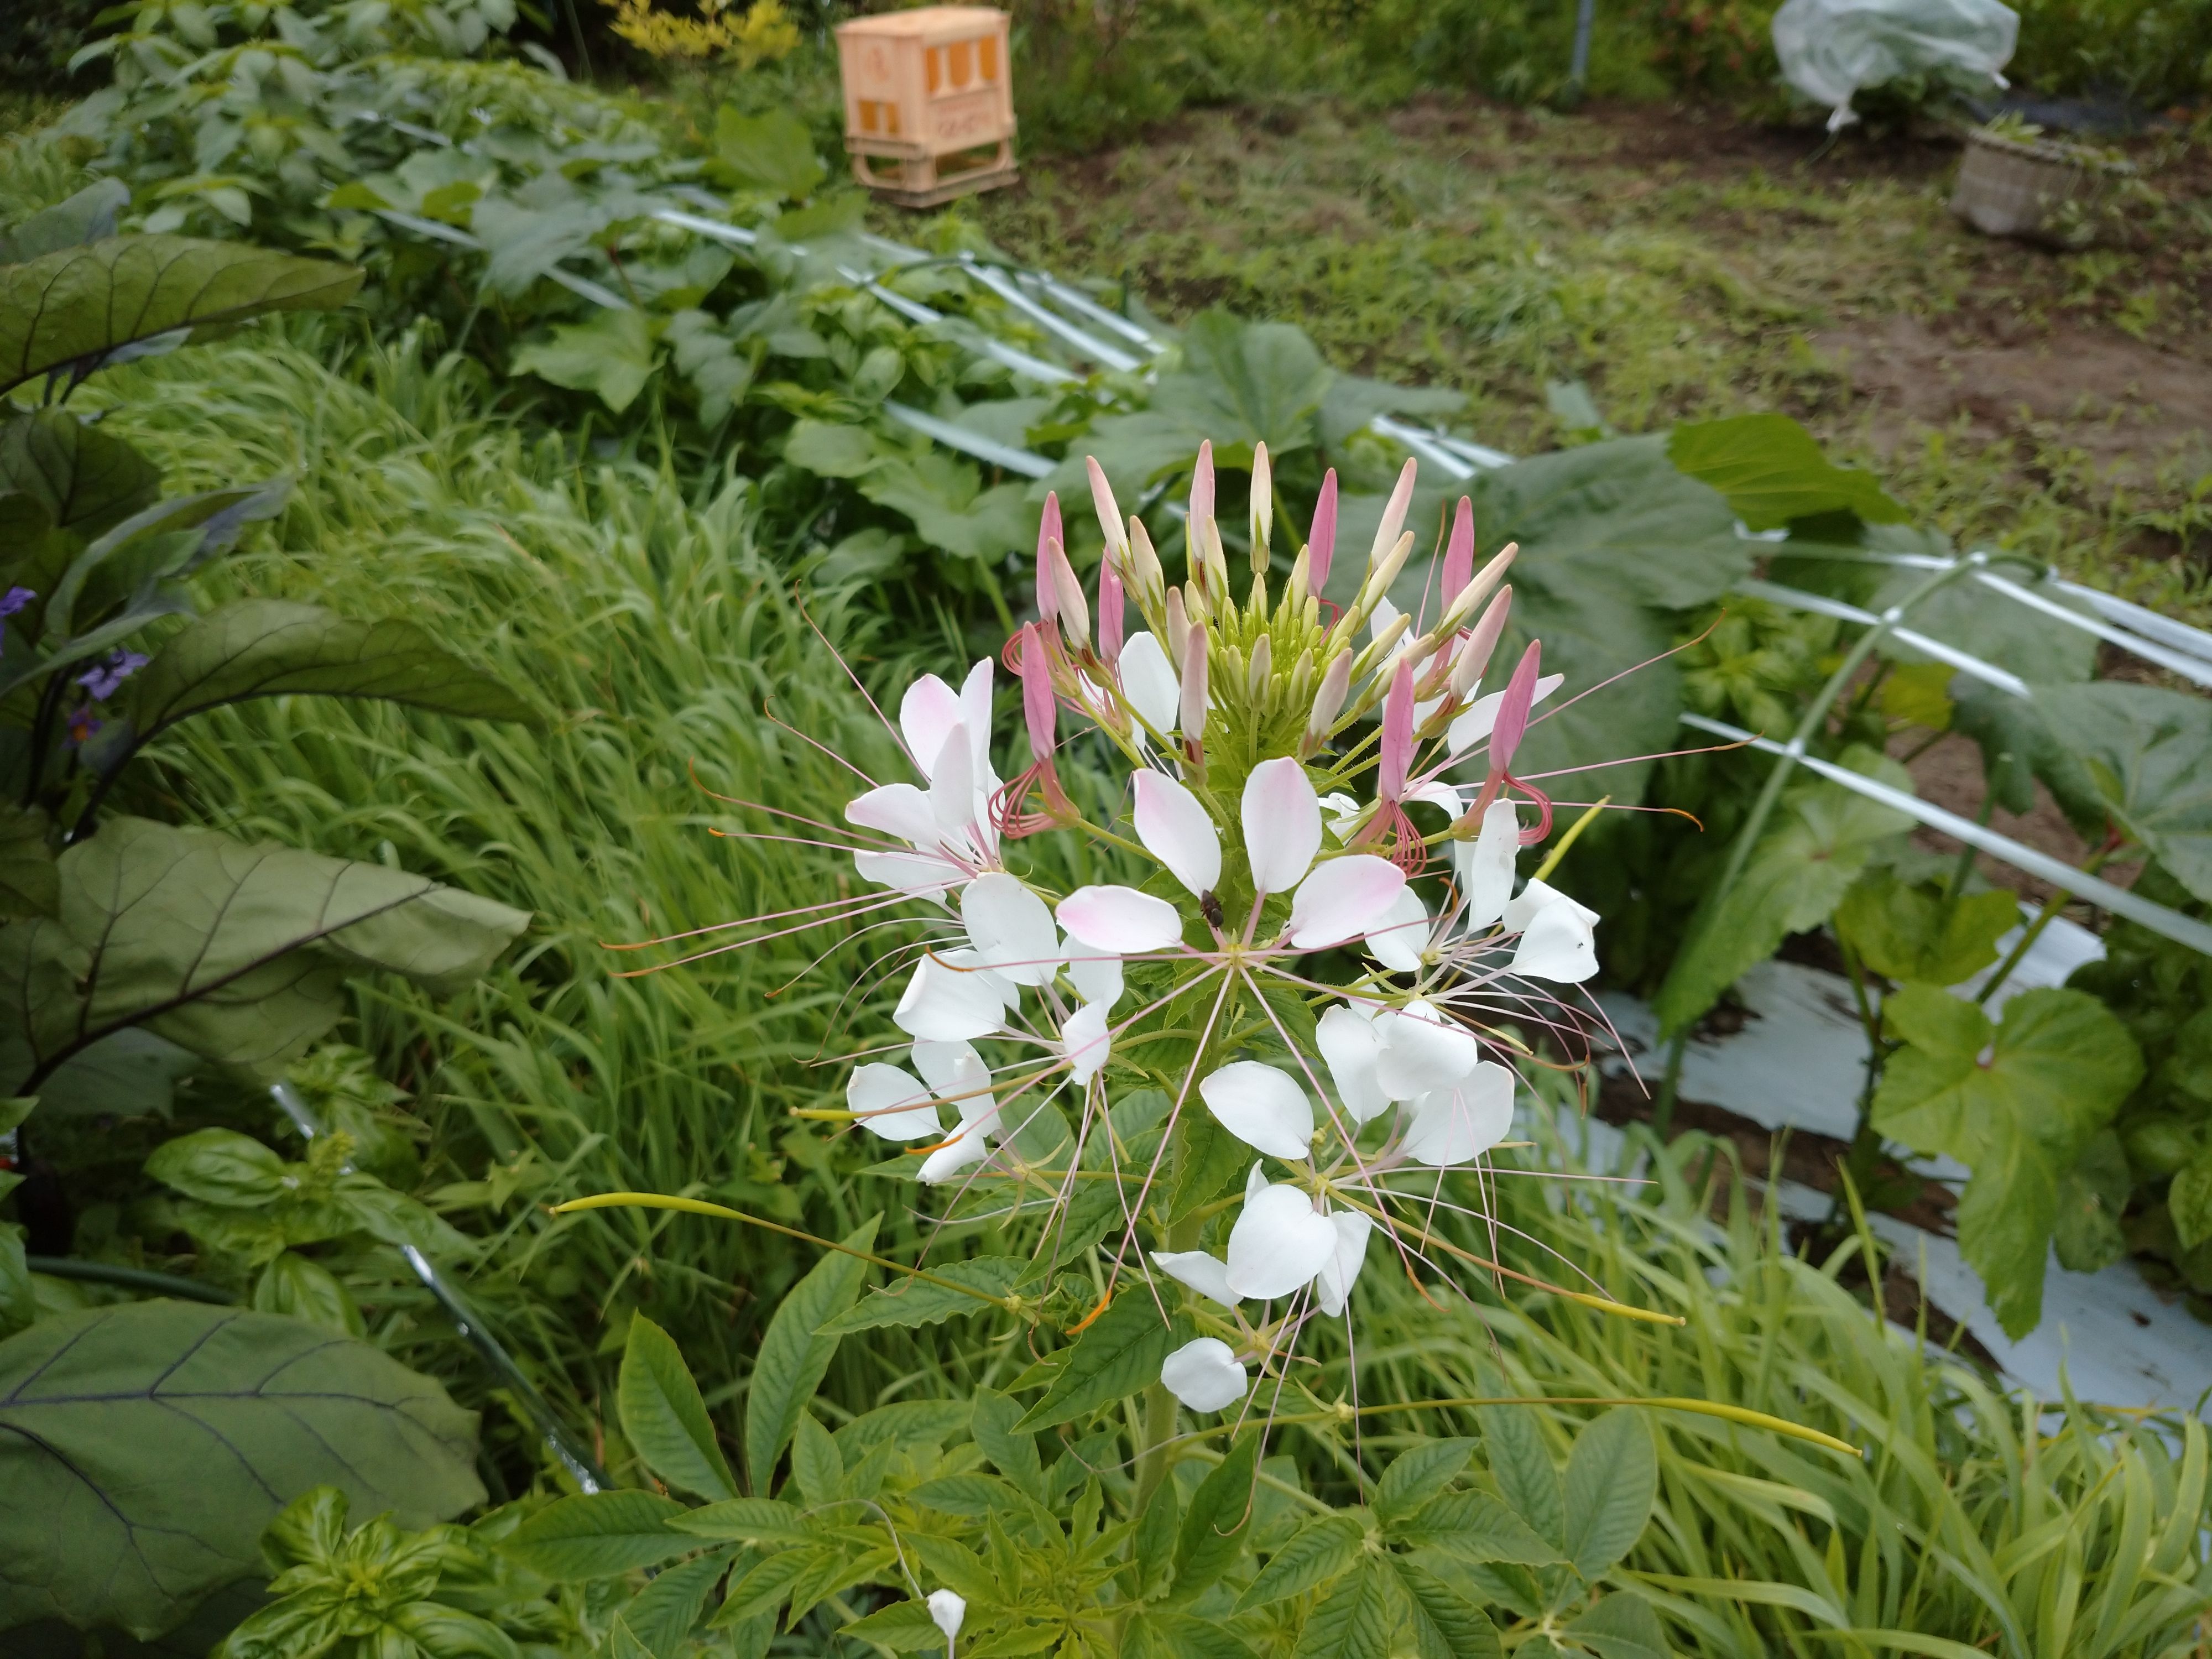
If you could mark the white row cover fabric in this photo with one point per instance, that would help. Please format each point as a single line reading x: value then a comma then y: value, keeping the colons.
x: 1832, y: 49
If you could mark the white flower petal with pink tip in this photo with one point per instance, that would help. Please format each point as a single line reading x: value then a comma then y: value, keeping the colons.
x: 1279, y: 1243
x: 1346, y: 1038
x: 1262, y: 1106
x: 928, y: 713
x: 1176, y: 831
x: 1484, y: 866
x: 1398, y: 936
x: 1086, y: 1043
x: 886, y: 1100
x: 1282, y: 823
x: 1011, y: 928
x: 947, y: 1001
x: 1420, y: 1050
x: 1482, y: 716
x: 1557, y: 945
x: 1098, y: 978
x: 1148, y: 681
x: 1453, y: 1125
x: 1206, y: 1275
x: 1338, y: 901
x: 1204, y: 1375
x: 1120, y: 919
x: 1333, y: 1285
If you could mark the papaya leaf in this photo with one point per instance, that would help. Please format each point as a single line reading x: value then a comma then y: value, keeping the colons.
x: 143, y: 1448
x: 72, y: 308
x: 85, y: 480
x: 666, y: 1418
x: 795, y: 1354
x: 237, y: 953
x: 1771, y: 470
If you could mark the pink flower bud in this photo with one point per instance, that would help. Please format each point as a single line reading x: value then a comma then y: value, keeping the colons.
x: 1108, y: 509
x: 1459, y: 552
x: 1049, y: 535
x: 1037, y: 706
x: 1513, y: 709
x: 1322, y: 543
x: 1398, y: 734
x: 1068, y: 603
x: 1474, y: 651
x: 1201, y: 487
x: 1328, y: 702
x: 1112, y: 613
x: 1194, y: 684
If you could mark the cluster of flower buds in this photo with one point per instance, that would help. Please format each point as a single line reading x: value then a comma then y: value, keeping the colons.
x: 1310, y: 789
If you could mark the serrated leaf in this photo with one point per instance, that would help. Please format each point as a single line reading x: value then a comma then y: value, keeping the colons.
x: 1446, y: 1624
x: 662, y: 1413
x: 1522, y: 1468
x: 1013, y: 1450
x: 1164, y: 1633
x: 1621, y: 1625
x: 1354, y: 1621
x: 1316, y: 1553
x: 1119, y: 1354
x: 765, y: 1584
x: 611, y: 353
x: 973, y: 1495
x: 915, y: 1302
x: 237, y: 953
x: 773, y: 152
x: 1418, y: 1473
x: 144, y: 1447
x: 1215, y: 1527
x: 83, y: 479
x: 75, y: 305
x: 667, y: 1610
x: 795, y: 1353
x: 817, y: 1468
x: 903, y: 1627
x: 1475, y: 1527
x: 746, y: 1520
x: 2149, y: 751
x: 2056, y: 1070
x: 1613, y: 1479
x: 1772, y: 471
x: 1906, y: 931
x: 599, y: 1535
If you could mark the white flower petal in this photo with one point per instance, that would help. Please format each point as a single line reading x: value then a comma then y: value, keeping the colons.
x: 1282, y: 823
x: 1485, y: 865
x: 1340, y: 811
x: 1540, y: 896
x: 918, y: 874
x: 944, y: 1003
x: 1481, y: 715
x: 1333, y: 1285
x: 1557, y: 944
x: 976, y: 716
x: 1453, y: 1125
x: 888, y: 1101
x: 970, y: 1143
x: 1279, y: 1243
x: 1087, y: 1041
x: 958, y: 1075
x: 1120, y: 919
x: 928, y: 713
x: 1338, y: 901
x: 946, y: 1609
x: 1098, y: 978
x: 1011, y: 928
x: 897, y: 809
x: 1148, y: 680
x: 1397, y: 936
x: 1176, y: 831
x: 1262, y: 1106
x: 1206, y: 1275
x: 1347, y: 1041
x: 1420, y: 1051
x: 952, y: 790
x: 1204, y: 1375
x: 1436, y: 791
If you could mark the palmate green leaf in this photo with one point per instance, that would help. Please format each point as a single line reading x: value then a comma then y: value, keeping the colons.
x: 611, y: 354
x: 1621, y: 1625
x: 143, y: 1447
x: 598, y: 1535
x: 1772, y: 471
x: 1316, y: 1553
x: 1612, y: 1481
x: 1215, y: 1527
x: 2058, y: 1067
x: 1906, y: 931
x: 2091, y: 1194
x: 914, y: 1301
x: 84, y: 480
x: 28, y: 885
x: 774, y: 152
x: 237, y: 953
x: 1446, y: 1625
x: 662, y: 1413
x: 1475, y: 1527
x: 795, y: 1354
x: 950, y: 510
x: 1119, y: 1354
x: 1355, y: 1620
x: 1820, y: 838
x: 2020, y: 749
x: 1247, y: 383
x: 274, y: 647
x: 72, y: 306
x: 2149, y: 751
x: 2188, y: 1201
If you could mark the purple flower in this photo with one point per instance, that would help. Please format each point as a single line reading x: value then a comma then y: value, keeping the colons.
x: 14, y: 599
x: 102, y: 679
x: 81, y: 726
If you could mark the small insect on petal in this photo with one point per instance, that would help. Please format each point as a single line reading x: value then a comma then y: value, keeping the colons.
x: 1282, y: 823
x: 1176, y: 829
x: 1262, y: 1106
x: 1339, y: 900
x: 1120, y: 919
x: 1204, y: 1375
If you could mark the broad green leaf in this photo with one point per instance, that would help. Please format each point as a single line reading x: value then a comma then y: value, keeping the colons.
x: 832, y: 449
x: 914, y: 1301
x: 2055, y: 1073
x: 524, y: 242
x: 950, y: 510
x: 143, y: 1447
x: 903, y: 1627
x: 300, y: 1289
x: 2188, y: 1201
x: 237, y: 953
x: 221, y: 1166
x: 1013, y: 1450
x: 795, y: 1353
x: 1772, y: 471
x: 773, y: 152
x: 28, y: 886
x: 1418, y: 1473
x: 1621, y: 1625
x: 75, y: 305
x: 609, y: 354
x: 1214, y: 1528
x: 438, y: 1632
x: 1354, y: 1620
x: 1906, y: 931
x: 2091, y: 1194
x: 666, y: 1418
x: 817, y: 1468
x: 1820, y: 836
x: 1352, y: 401
x: 273, y: 648
x: 87, y: 216
x: 84, y: 480
x: 746, y: 1520
x: 1475, y: 1527
x: 1522, y: 1468
x: 667, y: 1610
x: 1246, y: 383
x: 1446, y: 1624
x: 765, y: 1585
x: 1157, y: 1528
x: 1165, y: 1633
x: 975, y: 1496
x: 598, y: 1535
x: 1613, y: 1479
x: 129, y: 1073
x: 1119, y: 1352
x: 1314, y: 1554
x: 2020, y: 749
x: 2150, y: 753
x: 19, y: 1297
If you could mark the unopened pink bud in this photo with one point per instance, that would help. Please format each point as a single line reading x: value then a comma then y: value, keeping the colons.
x: 1397, y: 734
x: 1049, y: 535
x: 1459, y: 552
x: 1037, y: 706
x: 1201, y: 487
x: 1194, y: 684
x: 1112, y: 612
x: 1513, y: 707
x: 1474, y: 651
x: 1328, y: 702
x: 1322, y: 543
x: 1068, y: 603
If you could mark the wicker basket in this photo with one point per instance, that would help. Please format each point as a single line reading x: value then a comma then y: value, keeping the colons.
x: 2007, y: 187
